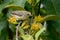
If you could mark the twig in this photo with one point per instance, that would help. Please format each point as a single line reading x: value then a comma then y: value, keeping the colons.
x: 32, y: 7
x: 17, y: 30
x: 39, y: 5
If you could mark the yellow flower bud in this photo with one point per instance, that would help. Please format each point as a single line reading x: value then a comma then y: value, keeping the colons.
x: 26, y: 27
x: 12, y: 20
x: 35, y: 26
x: 23, y: 24
x: 38, y: 18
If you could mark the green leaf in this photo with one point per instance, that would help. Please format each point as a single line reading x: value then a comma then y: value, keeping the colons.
x: 3, y: 29
x: 4, y: 34
x: 39, y: 33
x: 21, y: 31
x: 12, y: 27
x: 16, y: 4
x: 2, y: 24
x: 28, y: 7
x: 27, y: 37
x: 13, y: 7
x: 51, y: 17
x: 20, y: 3
x: 37, y: 1
x: 3, y: 4
x: 29, y: 1
x: 53, y: 7
x: 42, y: 11
x: 1, y: 15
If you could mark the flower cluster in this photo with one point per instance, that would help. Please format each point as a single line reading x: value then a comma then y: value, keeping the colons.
x: 12, y: 20
x: 24, y: 25
x: 38, y: 18
x: 34, y: 26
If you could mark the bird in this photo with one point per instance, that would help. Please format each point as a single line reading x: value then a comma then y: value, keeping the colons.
x: 21, y: 15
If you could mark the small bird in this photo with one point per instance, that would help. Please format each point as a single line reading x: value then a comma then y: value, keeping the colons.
x: 18, y: 18
x: 21, y: 15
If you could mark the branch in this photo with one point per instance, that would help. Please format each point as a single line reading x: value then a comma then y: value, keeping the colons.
x: 17, y: 30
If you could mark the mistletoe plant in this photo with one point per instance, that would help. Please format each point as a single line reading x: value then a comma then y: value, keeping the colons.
x: 28, y: 19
